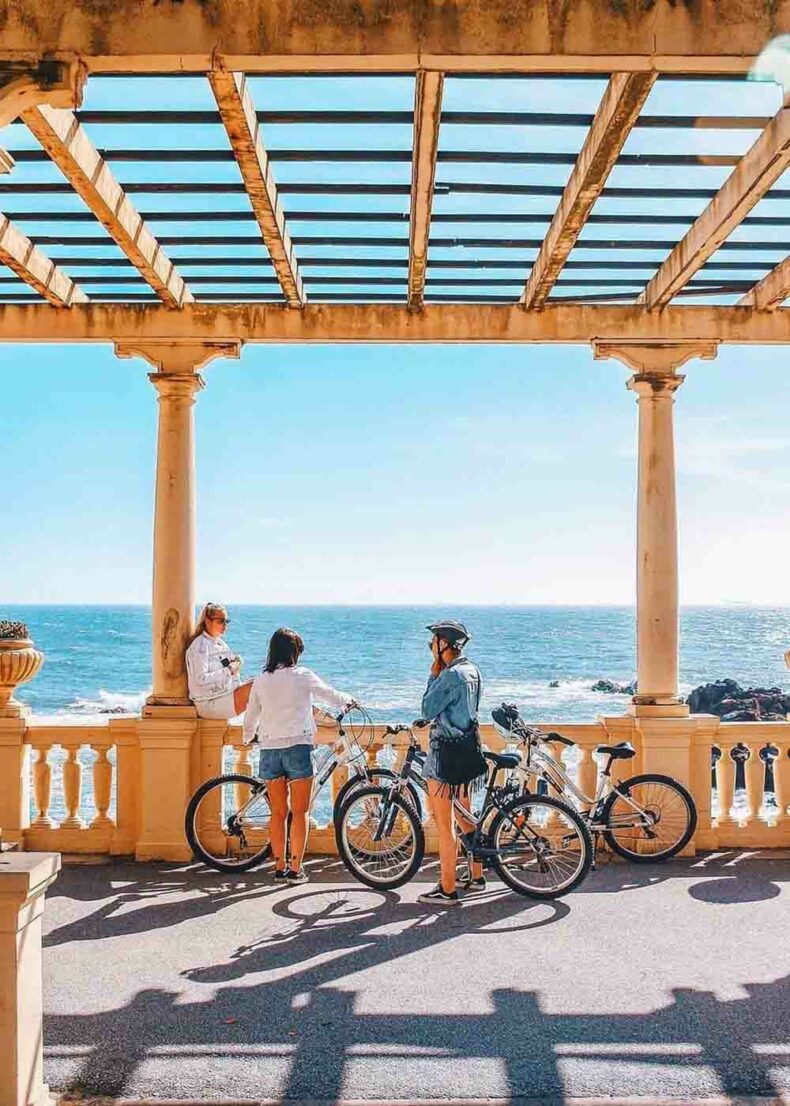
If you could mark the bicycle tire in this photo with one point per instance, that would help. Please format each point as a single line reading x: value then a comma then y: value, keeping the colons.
x: 355, y: 782
x: 646, y: 858
x: 505, y: 814
x: 403, y: 809
x: 192, y: 835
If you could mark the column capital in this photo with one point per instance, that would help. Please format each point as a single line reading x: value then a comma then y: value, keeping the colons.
x: 655, y: 385
x: 654, y: 358
x: 178, y: 358
x: 177, y: 385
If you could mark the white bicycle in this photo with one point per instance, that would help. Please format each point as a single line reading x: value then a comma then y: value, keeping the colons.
x: 227, y: 821
x: 643, y: 818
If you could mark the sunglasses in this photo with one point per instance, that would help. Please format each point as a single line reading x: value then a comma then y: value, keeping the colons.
x: 222, y: 621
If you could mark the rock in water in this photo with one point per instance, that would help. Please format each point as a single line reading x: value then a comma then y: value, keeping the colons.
x: 733, y: 703
x: 609, y: 687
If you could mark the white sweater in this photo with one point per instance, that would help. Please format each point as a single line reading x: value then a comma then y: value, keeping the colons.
x: 208, y: 677
x: 281, y: 706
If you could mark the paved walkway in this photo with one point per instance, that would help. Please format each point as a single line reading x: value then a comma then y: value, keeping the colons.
x: 170, y: 981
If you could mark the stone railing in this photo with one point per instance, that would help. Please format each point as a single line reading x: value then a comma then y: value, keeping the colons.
x: 80, y: 788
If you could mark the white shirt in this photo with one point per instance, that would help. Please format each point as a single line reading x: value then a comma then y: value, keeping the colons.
x: 208, y: 677
x: 281, y: 706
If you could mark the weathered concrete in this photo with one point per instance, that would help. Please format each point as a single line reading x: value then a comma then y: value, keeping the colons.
x: 67, y: 143
x: 757, y: 171
x: 573, y: 324
x: 163, y: 981
x: 395, y: 35
x: 618, y: 111
x: 237, y: 112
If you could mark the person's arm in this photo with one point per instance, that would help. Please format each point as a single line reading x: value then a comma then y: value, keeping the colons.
x: 198, y: 673
x: 440, y: 691
x: 252, y: 714
x: 325, y: 693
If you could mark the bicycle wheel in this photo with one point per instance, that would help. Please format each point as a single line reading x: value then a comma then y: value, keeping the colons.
x: 397, y: 856
x: 649, y: 817
x: 377, y: 777
x: 227, y: 823
x: 543, y: 847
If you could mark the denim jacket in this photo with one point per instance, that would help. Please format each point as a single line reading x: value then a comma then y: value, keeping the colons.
x: 452, y: 699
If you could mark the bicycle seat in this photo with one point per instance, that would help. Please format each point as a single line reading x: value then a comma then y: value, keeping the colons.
x: 503, y: 760
x: 624, y: 750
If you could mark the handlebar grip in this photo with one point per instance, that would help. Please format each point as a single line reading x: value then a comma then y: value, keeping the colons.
x: 420, y: 723
x: 552, y: 736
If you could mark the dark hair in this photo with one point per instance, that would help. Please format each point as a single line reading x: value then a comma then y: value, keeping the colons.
x: 285, y: 649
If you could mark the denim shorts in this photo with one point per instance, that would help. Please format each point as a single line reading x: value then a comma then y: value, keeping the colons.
x: 295, y: 763
x: 430, y: 769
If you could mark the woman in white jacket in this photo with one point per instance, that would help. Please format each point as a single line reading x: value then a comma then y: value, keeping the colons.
x: 281, y: 710
x: 213, y: 668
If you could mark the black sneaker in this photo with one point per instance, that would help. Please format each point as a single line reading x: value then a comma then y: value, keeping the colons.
x: 297, y: 877
x: 437, y: 897
x: 471, y: 884
x: 280, y: 873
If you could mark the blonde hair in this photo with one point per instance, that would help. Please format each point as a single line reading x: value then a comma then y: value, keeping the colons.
x: 211, y: 610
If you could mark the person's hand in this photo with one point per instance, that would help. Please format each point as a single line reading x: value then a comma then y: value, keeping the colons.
x: 438, y: 663
x: 235, y: 665
x: 352, y: 704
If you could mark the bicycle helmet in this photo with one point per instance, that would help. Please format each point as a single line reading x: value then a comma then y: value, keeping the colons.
x: 453, y: 632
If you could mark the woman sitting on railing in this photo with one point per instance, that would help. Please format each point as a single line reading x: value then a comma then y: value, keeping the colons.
x: 213, y: 668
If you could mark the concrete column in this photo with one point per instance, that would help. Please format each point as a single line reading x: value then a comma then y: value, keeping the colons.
x: 24, y: 877
x: 173, y: 609
x: 655, y: 381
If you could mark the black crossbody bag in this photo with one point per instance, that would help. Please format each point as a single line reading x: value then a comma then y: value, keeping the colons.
x: 459, y: 759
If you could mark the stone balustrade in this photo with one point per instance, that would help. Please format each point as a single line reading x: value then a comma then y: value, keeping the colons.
x: 84, y: 783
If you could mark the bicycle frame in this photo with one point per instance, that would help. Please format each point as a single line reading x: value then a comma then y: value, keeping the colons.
x: 342, y: 752
x: 411, y: 772
x: 538, y: 760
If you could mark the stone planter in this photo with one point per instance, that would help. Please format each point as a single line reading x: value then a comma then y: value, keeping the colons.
x: 19, y: 662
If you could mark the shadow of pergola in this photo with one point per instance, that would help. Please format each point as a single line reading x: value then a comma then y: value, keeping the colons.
x: 324, y: 935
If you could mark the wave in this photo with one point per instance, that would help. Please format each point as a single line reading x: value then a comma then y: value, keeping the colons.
x: 109, y: 702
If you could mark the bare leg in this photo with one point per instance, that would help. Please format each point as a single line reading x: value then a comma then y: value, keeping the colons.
x: 442, y: 810
x: 475, y: 867
x: 277, y: 790
x: 299, y: 792
x: 241, y: 696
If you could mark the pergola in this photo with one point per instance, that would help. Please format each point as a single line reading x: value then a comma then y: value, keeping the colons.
x: 424, y: 241
x: 299, y: 204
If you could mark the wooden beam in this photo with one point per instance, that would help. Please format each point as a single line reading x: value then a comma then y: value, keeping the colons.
x: 617, y: 112
x: 237, y: 110
x: 427, y: 115
x: 69, y: 146
x: 35, y: 268
x: 603, y: 36
x: 760, y: 167
x: 371, y: 323
x: 772, y: 290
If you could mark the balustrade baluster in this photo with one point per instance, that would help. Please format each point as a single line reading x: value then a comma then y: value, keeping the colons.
x: 72, y: 790
x: 725, y: 786
x: 754, y: 783
x: 242, y: 766
x: 102, y: 789
x: 587, y: 774
x: 42, y: 789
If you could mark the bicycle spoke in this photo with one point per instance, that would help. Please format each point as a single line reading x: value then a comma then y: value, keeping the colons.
x: 658, y: 823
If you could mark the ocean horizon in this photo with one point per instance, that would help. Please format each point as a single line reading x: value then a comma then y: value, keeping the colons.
x: 98, y: 656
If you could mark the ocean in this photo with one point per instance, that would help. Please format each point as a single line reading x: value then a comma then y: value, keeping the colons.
x: 97, y: 658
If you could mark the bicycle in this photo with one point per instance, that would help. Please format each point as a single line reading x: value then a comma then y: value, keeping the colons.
x: 228, y: 817
x: 538, y: 845
x: 647, y: 817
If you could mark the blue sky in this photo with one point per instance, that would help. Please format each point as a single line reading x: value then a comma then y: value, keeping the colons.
x: 381, y: 474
